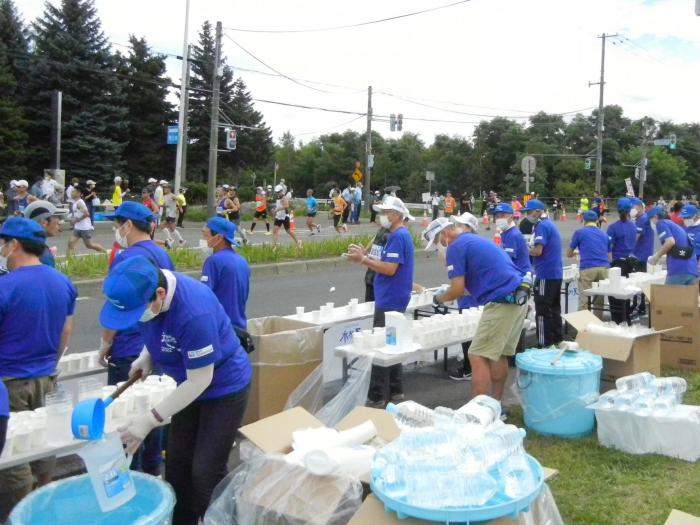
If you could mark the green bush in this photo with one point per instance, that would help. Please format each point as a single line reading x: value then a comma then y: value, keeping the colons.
x: 196, y: 193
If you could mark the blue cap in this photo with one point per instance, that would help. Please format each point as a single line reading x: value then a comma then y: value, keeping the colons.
x: 227, y: 229
x: 128, y: 288
x: 503, y: 207
x: 656, y: 210
x: 624, y: 205
x: 689, y: 211
x: 533, y: 204
x: 636, y: 201
x: 21, y: 228
x: 590, y: 216
x: 132, y: 211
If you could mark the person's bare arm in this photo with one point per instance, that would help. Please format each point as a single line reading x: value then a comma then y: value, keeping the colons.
x: 455, y: 291
x: 66, y: 334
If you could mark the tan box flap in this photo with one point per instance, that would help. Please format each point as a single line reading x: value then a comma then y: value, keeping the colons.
x: 273, y: 435
x: 606, y: 346
x: 549, y: 473
x: 681, y: 518
x: 674, y: 296
x: 386, y: 426
x: 581, y: 319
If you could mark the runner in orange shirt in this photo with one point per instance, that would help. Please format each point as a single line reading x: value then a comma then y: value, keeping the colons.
x: 339, y: 205
x: 450, y: 204
x: 260, y: 209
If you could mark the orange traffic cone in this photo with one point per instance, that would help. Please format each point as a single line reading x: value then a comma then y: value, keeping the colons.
x: 292, y: 226
x: 497, y: 238
x: 485, y: 219
x: 563, y: 215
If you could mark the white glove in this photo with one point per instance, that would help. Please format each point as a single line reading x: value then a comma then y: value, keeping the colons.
x: 136, y: 430
x: 103, y: 352
x: 654, y: 259
x: 439, y: 293
x: 143, y: 362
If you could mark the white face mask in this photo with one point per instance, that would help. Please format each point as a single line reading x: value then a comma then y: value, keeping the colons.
x: 634, y: 213
x: 502, y: 224
x: 120, y: 240
x: 205, y: 248
x: 688, y: 222
x: 149, y: 314
x: 384, y: 222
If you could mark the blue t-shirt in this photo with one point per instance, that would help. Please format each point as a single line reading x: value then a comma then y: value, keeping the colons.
x: 515, y: 245
x: 196, y: 332
x: 393, y: 293
x: 623, y: 236
x: 593, y: 246
x: 311, y: 205
x: 645, y: 243
x: 666, y: 229
x: 47, y: 258
x: 489, y: 274
x: 4, y: 403
x: 34, y: 304
x: 548, y: 265
x: 228, y: 275
x: 694, y: 234
x: 467, y: 301
x: 128, y: 343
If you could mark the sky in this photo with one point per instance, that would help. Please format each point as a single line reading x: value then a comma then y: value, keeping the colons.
x: 464, y: 63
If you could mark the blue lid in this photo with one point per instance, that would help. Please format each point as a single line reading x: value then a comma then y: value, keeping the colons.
x: 570, y: 363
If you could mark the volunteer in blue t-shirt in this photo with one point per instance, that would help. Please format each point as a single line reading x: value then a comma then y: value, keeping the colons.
x: 133, y: 226
x: 691, y: 221
x: 188, y: 335
x: 225, y: 271
x: 48, y: 217
x: 623, y: 236
x: 393, y: 280
x: 681, y: 263
x: 512, y: 240
x: 644, y: 247
x: 36, y: 320
x: 593, y: 246
x: 546, y: 252
x: 311, y: 212
x: 483, y: 270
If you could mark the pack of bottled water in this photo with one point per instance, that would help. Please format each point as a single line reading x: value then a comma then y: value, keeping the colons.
x: 448, y: 458
x: 645, y: 394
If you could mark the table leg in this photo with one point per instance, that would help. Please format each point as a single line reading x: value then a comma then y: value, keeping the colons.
x: 444, y: 355
x: 626, y: 313
x: 386, y: 386
x: 435, y: 355
x: 566, y: 306
x: 345, y: 370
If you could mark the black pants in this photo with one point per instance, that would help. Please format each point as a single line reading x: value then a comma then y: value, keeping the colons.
x: 617, y: 306
x: 465, y: 350
x: 641, y: 267
x: 200, y: 441
x: 3, y: 432
x: 395, y: 371
x: 436, y: 211
x: 346, y: 213
x: 548, y: 311
x: 369, y: 293
x: 181, y: 216
x: 372, y: 214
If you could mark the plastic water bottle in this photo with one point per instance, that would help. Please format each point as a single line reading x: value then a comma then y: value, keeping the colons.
x: 411, y: 414
x: 664, y: 405
x: 495, y: 447
x: 671, y: 385
x: 606, y: 401
x: 624, y: 401
x: 517, y: 476
x: 638, y: 381
x: 643, y: 404
x: 482, y: 410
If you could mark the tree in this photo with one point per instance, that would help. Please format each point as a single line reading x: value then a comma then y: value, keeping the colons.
x: 15, y: 39
x: 72, y: 55
x: 12, y: 135
x: 149, y: 113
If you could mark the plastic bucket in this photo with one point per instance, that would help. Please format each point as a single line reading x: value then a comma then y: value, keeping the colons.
x: 72, y: 502
x: 555, y: 393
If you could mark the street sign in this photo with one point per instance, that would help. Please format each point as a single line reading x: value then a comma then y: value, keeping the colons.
x: 430, y: 176
x: 357, y: 175
x: 630, y: 188
x: 231, y: 138
x: 173, y: 134
x: 370, y: 161
x: 529, y: 179
x: 528, y: 165
x: 662, y: 142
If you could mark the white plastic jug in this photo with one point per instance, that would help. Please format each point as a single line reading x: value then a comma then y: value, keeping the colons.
x: 108, y: 468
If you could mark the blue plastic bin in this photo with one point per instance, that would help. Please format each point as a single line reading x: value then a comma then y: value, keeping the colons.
x: 72, y: 501
x: 555, y: 394
x: 100, y: 216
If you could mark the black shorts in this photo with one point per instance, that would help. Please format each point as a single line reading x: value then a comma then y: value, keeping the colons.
x: 282, y: 222
x: 336, y: 220
x: 311, y: 214
x: 261, y: 214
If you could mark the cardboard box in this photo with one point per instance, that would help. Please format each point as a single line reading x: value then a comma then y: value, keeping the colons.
x: 622, y: 356
x: 286, y: 352
x: 681, y: 518
x: 677, y: 306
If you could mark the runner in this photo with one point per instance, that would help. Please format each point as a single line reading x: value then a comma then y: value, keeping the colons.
x: 82, y: 225
x: 168, y: 225
x: 282, y: 217
x: 48, y: 217
x: 233, y: 205
x: 311, y: 211
x: 181, y: 207
x: 339, y: 206
x: 260, y: 210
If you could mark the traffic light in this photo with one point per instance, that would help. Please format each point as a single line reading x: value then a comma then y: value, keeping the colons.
x: 587, y: 164
x: 392, y: 122
x: 672, y: 145
x: 399, y: 122
x: 231, y: 136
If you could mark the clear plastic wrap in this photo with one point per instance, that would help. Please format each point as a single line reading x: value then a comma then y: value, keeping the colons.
x: 544, y: 511
x: 267, y: 490
x: 309, y: 394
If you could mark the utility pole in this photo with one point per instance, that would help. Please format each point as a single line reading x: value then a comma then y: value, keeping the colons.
x: 601, y: 116
x: 56, y: 109
x: 183, y: 165
x: 643, y: 162
x: 183, y: 101
x: 368, y: 169
x: 214, y: 125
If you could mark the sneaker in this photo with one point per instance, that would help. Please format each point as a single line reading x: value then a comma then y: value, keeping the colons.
x: 375, y: 404
x: 298, y: 244
x: 345, y: 228
x: 268, y: 233
x: 397, y: 398
x: 181, y: 242
x: 169, y: 244
x: 459, y: 374
x: 312, y: 233
x: 318, y: 228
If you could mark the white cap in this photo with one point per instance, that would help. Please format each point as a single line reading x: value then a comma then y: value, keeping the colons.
x: 225, y: 186
x: 22, y: 182
x: 152, y: 180
x: 467, y: 219
x: 433, y: 229
x: 279, y: 188
x: 117, y: 179
x: 13, y: 183
x: 90, y: 183
x: 41, y: 210
x: 163, y: 182
x: 393, y: 204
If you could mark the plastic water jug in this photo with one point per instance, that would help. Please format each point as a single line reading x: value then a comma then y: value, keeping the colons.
x: 108, y: 469
x: 398, y: 331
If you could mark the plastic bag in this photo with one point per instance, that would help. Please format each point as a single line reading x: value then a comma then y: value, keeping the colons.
x: 544, y: 511
x: 268, y: 490
x: 309, y: 394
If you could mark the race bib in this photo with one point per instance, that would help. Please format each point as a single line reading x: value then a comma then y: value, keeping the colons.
x: 376, y: 252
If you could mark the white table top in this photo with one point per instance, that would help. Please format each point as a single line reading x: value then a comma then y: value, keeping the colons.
x: 616, y: 294
x: 384, y: 359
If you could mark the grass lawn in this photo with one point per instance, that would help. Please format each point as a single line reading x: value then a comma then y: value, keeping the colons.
x: 600, y: 486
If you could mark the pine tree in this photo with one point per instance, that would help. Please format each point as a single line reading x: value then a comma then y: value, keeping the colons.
x: 14, y: 37
x: 72, y: 54
x: 149, y: 113
x: 12, y: 135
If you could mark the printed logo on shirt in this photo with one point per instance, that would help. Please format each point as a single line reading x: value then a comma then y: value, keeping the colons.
x: 393, y: 255
x: 194, y: 354
x: 510, y: 250
x: 205, y: 278
x: 539, y: 238
x: 168, y: 344
x: 450, y: 268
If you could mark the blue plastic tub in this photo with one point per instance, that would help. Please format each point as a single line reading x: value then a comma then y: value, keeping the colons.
x: 555, y: 395
x: 72, y: 501
x: 100, y: 216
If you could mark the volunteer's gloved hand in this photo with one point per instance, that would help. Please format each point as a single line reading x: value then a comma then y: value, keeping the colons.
x: 143, y: 362
x: 654, y: 259
x: 103, y: 352
x: 437, y: 295
x: 136, y: 430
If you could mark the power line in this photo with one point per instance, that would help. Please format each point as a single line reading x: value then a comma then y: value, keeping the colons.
x: 331, y: 128
x: 349, y: 26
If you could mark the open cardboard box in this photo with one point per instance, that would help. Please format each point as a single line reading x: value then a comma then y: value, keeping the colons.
x: 677, y: 306
x: 622, y: 356
x: 273, y: 435
x: 681, y: 518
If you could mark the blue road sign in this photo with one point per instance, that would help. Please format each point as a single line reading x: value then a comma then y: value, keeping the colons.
x: 172, y: 134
